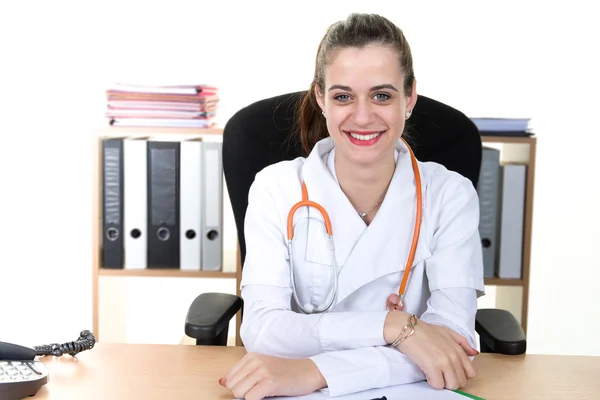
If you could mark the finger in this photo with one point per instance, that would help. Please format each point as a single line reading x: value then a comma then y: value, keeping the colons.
x: 238, y: 366
x: 465, y: 363
x: 435, y: 378
x: 247, y: 369
x: 464, y: 343
x: 459, y: 368
x: 260, y: 391
x: 470, y: 351
x: 241, y: 388
x: 468, y: 367
x: 450, y: 379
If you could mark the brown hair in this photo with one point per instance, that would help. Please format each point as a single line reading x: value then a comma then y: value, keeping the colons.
x: 358, y: 30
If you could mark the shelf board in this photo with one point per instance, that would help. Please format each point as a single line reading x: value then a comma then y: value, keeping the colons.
x: 140, y: 130
x: 508, y: 139
x: 165, y: 273
x: 503, y: 282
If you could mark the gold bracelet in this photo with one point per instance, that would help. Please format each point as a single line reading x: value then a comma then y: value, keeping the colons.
x: 412, y: 322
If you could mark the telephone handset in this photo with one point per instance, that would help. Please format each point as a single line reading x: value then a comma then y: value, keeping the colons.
x: 21, y: 375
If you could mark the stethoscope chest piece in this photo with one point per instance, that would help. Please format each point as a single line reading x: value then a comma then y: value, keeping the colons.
x: 394, y: 303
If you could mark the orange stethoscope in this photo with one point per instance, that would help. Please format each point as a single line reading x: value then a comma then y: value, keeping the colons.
x: 394, y: 301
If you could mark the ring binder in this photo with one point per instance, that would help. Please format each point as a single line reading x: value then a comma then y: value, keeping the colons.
x: 112, y: 193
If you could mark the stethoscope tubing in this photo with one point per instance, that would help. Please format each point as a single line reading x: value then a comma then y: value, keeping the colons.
x: 305, y: 202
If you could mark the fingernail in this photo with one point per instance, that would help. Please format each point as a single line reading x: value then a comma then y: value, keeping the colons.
x: 222, y: 381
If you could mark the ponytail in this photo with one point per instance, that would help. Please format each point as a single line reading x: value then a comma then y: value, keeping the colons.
x: 311, y: 122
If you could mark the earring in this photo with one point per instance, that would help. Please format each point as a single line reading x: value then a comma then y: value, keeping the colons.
x: 408, y: 114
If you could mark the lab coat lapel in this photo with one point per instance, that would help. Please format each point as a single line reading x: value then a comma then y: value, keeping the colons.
x: 385, y: 245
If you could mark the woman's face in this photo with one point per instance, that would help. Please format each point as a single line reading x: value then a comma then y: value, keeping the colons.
x: 364, y: 102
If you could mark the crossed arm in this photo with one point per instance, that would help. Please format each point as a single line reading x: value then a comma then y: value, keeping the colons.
x: 348, y: 348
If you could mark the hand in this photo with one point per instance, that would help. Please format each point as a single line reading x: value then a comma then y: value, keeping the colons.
x: 257, y: 376
x: 441, y: 354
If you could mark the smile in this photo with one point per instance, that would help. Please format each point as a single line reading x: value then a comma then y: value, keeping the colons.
x: 364, y: 137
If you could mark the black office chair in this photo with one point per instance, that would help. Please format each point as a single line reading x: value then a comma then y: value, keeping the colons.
x: 263, y: 133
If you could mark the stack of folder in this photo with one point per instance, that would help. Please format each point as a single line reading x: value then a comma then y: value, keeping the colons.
x: 162, y: 203
x: 162, y: 106
x: 503, y: 126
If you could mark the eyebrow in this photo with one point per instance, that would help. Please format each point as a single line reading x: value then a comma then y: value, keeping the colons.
x: 378, y: 87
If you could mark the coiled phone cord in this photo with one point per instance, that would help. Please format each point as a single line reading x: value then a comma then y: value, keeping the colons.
x: 85, y: 341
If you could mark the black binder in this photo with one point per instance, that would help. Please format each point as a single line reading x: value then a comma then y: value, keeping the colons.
x: 163, y: 204
x: 112, y: 203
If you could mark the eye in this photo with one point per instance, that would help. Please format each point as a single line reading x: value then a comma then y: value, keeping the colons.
x: 342, y: 97
x: 382, y: 96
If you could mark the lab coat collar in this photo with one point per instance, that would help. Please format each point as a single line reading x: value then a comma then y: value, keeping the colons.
x: 360, y: 250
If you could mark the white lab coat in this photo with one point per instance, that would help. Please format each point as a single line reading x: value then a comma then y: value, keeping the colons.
x: 346, y: 343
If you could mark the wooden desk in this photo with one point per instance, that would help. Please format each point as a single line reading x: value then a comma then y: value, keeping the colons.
x: 130, y: 371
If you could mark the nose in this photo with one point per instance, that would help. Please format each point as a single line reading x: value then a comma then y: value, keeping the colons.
x: 362, y: 113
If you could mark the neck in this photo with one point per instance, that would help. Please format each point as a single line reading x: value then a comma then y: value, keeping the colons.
x: 365, y: 185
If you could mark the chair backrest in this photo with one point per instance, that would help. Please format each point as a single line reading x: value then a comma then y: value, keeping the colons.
x: 260, y: 134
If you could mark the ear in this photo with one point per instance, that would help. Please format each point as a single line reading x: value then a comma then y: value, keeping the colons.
x: 411, y: 100
x: 319, y: 96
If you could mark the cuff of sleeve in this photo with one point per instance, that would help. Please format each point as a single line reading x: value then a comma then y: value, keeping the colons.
x: 342, y: 331
x: 347, y: 374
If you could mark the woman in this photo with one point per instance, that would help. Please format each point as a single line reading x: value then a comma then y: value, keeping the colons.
x: 361, y: 172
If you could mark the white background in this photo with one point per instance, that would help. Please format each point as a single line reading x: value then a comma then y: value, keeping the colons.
x: 493, y: 58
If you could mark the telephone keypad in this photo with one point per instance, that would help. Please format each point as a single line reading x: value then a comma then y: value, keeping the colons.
x: 17, y: 370
x: 21, y: 379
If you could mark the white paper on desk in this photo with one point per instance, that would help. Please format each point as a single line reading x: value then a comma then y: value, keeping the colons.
x: 419, y: 390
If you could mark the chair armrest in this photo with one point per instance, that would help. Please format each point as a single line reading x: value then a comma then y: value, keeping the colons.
x: 208, y: 317
x: 500, y: 332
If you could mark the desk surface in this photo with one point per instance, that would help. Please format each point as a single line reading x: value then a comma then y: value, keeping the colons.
x: 138, y: 371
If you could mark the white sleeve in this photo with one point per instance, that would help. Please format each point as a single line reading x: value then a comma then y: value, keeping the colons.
x: 456, y: 260
x: 270, y: 327
x: 455, y: 268
x: 269, y: 324
x: 352, y: 371
x: 454, y: 308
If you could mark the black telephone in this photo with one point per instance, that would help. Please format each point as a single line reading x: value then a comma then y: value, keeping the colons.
x: 21, y: 375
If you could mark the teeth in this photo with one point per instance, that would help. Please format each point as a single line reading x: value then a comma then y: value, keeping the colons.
x: 365, y: 137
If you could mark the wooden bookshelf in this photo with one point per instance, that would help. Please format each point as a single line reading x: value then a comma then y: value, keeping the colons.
x: 530, y: 143
x: 503, y: 282
x: 230, y: 264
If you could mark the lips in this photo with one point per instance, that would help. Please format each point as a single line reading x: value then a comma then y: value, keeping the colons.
x: 364, y: 135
